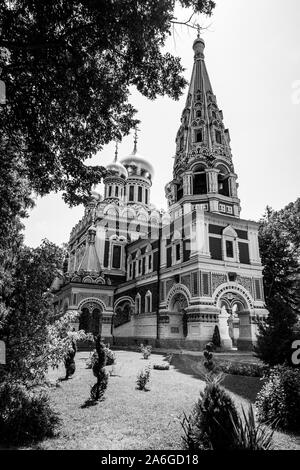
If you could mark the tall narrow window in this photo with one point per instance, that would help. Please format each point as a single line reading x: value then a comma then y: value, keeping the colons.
x: 140, y: 194
x: 117, y: 191
x: 178, y: 252
x: 200, y: 183
x: 138, y: 304
x: 146, y: 196
x: 199, y: 136
x: 131, y: 193
x: 116, y: 260
x: 148, y: 302
x: 218, y: 137
x: 229, y: 249
x: 150, y: 263
x: 109, y: 191
x: 179, y: 191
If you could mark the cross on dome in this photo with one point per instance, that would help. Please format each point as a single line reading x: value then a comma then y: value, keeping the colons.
x: 136, y: 130
x: 116, y: 151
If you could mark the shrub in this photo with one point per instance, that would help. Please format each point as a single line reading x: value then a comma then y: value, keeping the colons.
x: 278, y: 402
x: 110, y: 358
x: 146, y: 351
x: 277, y: 333
x: 69, y: 359
x: 208, y: 356
x: 99, y: 362
x: 216, y: 340
x: 143, y: 378
x: 98, y: 389
x: 238, y: 368
x: 161, y: 366
x: 211, y: 424
x: 25, y: 414
x: 216, y: 425
x: 248, y: 435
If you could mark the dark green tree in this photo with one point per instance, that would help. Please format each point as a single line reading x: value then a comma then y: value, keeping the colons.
x: 68, y: 68
x: 29, y: 310
x: 280, y: 251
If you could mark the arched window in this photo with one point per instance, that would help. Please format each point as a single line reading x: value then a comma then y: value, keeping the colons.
x: 179, y: 191
x: 218, y: 137
x: 148, y: 260
x: 199, y: 181
x: 116, y: 256
x: 199, y: 136
x: 129, y: 268
x: 223, y: 181
x: 138, y: 304
x: 131, y: 193
x: 84, y: 320
x: 198, y: 113
x: 148, y: 302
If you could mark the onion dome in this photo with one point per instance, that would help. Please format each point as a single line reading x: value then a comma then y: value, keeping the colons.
x: 136, y: 164
x: 199, y: 45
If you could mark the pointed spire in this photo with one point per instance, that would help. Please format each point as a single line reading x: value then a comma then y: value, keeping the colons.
x: 202, y: 135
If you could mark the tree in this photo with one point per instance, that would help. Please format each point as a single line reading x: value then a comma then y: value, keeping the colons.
x: 68, y: 68
x: 29, y: 322
x: 280, y: 251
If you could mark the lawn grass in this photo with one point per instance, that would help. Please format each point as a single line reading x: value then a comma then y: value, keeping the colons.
x: 129, y: 418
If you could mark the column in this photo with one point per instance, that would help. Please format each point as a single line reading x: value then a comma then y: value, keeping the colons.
x: 212, y: 180
x: 233, y: 185
x: 187, y: 183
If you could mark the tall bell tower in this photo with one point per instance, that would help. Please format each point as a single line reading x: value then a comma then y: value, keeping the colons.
x: 203, y: 173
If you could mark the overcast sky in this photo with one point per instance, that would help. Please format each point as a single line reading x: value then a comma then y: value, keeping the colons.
x: 253, y: 59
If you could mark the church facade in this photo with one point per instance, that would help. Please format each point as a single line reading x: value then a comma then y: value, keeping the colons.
x: 169, y: 278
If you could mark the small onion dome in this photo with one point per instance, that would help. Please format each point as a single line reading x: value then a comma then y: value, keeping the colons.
x: 199, y: 45
x: 139, y: 165
x: 117, y: 169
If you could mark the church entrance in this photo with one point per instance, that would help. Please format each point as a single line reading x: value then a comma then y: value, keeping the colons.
x: 90, y: 319
x: 234, y: 316
x: 178, y: 306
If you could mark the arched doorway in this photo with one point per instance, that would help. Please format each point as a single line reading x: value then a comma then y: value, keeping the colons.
x: 178, y: 305
x: 235, y: 305
x: 90, y: 319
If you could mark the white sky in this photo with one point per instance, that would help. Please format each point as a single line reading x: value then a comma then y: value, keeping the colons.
x: 253, y: 59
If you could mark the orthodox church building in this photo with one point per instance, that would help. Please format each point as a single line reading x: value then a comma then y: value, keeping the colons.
x: 169, y: 278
